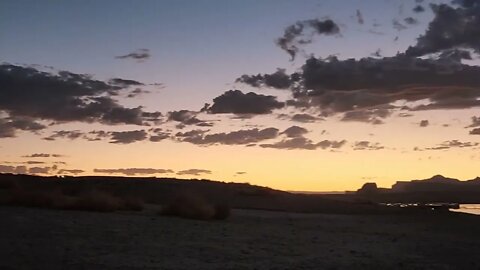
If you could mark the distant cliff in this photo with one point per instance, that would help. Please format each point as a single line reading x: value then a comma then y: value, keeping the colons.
x: 435, y: 189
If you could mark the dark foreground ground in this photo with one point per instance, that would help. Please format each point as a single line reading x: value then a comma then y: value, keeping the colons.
x: 52, y: 239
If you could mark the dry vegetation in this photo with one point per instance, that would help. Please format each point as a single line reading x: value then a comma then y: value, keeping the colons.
x: 55, y: 198
x: 195, y: 206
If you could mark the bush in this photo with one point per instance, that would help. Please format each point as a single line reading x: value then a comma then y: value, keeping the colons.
x: 193, y: 206
x: 132, y: 204
x: 7, y: 184
x: 222, y: 211
x: 95, y: 200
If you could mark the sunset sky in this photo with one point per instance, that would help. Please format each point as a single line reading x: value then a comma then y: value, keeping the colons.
x: 303, y: 95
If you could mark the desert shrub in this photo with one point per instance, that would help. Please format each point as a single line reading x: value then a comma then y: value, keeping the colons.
x: 52, y: 198
x: 95, y: 200
x: 222, y: 211
x: 132, y: 204
x: 6, y: 184
x: 189, y: 205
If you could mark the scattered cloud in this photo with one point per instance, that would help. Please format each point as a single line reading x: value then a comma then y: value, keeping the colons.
x: 140, y: 55
x: 236, y: 102
x: 366, y: 145
x: 302, y: 32
x: 295, y: 132
x: 451, y: 28
x: 424, y: 123
x: 63, y: 97
x: 195, y: 172
x: 126, y: 137
x: 133, y: 171
x: 239, y: 137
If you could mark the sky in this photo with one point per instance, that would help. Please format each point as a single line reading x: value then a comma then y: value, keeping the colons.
x: 295, y: 95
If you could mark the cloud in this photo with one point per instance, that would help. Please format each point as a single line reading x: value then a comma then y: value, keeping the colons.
x: 239, y: 137
x: 195, y: 172
x: 39, y: 170
x: 475, y: 131
x: 139, y: 55
x: 302, y: 32
x: 424, y: 123
x: 451, y: 28
x: 133, y: 171
x: 159, y: 135
x: 304, y: 144
x: 63, y: 97
x: 410, y: 21
x: 9, y: 126
x: 187, y: 117
x: 359, y: 16
x: 475, y: 122
x: 278, y: 80
x: 448, y: 145
x: 70, y: 171
x: 126, y: 137
x: 236, y: 102
x: 372, y: 116
x: 13, y: 169
x: 366, y: 145
x: 65, y: 134
x: 332, y: 85
x: 43, y: 155
x: 305, y: 118
x: 397, y: 25
x: 418, y: 9
x: 295, y: 132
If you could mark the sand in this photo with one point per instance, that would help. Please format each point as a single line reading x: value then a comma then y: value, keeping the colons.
x: 52, y: 239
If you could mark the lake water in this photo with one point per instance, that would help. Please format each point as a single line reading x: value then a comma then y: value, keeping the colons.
x: 468, y: 208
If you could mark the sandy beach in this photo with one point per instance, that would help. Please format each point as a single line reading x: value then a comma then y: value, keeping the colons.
x: 250, y: 239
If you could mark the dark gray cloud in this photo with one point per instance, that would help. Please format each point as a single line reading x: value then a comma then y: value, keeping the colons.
x: 187, y: 117
x: 239, y: 137
x: 475, y: 131
x: 43, y: 155
x: 295, y: 132
x: 277, y: 80
x: 159, y: 135
x: 475, y: 122
x: 410, y: 21
x: 398, y: 25
x: 418, y: 9
x: 133, y: 171
x: 13, y: 169
x: 195, y: 172
x: 302, y: 32
x: 70, y: 171
x: 126, y: 137
x: 65, y: 134
x: 359, y: 16
x: 305, y: 118
x: 236, y: 102
x: 448, y: 145
x: 451, y: 28
x: 139, y: 55
x: 366, y: 145
x: 9, y: 126
x: 372, y: 116
x: 39, y: 170
x: 63, y: 97
x: 303, y: 143
x: 424, y: 123
x: 334, y: 85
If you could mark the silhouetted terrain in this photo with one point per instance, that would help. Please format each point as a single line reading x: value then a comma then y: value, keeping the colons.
x: 435, y: 189
x: 162, y: 190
